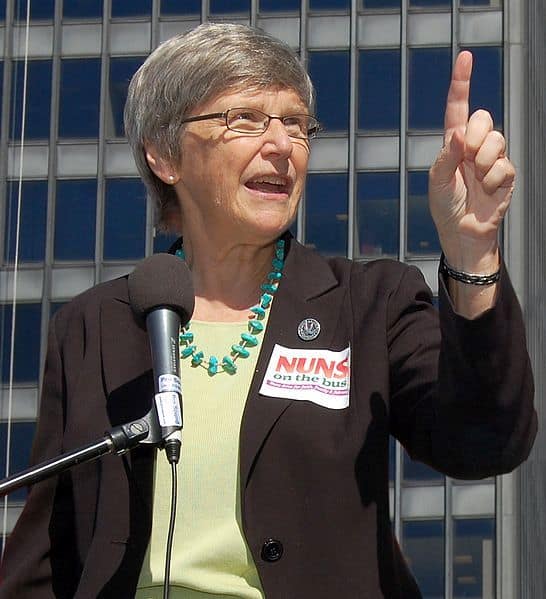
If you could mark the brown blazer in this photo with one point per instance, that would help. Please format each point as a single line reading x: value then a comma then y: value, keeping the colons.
x: 314, y: 481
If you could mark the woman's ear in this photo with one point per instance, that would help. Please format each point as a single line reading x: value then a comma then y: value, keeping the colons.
x: 160, y: 167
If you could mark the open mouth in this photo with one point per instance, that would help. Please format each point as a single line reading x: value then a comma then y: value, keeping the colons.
x: 269, y: 184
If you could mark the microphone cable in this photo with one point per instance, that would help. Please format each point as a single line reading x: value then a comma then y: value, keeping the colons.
x: 170, y: 535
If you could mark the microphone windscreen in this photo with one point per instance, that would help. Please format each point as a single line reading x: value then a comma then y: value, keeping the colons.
x: 162, y: 281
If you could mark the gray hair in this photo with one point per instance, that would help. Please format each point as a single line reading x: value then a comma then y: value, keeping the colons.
x: 190, y: 69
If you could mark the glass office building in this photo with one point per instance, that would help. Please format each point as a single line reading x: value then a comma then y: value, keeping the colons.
x: 73, y: 211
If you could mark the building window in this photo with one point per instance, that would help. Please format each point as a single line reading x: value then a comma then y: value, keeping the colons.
x: 75, y: 210
x: 38, y: 101
x: 423, y: 546
x: 429, y: 76
x: 163, y: 241
x: 329, y: 4
x: 330, y: 74
x: 279, y: 5
x: 82, y: 9
x: 21, y: 435
x: 79, y: 97
x: 121, y: 72
x: 422, y: 237
x: 229, y: 6
x: 124, y: 219
x: 326, y: 213
x: 487, y: 82
x: 135, y: 8
x: 417, y: 472
x: 379, y: 90
x: 32, y: 229
x: 377, y: 213
x: 430, y: 3
x: 175, y: 7
x: 26, y: 355
x: 473, y: 558
x: 45, y: 9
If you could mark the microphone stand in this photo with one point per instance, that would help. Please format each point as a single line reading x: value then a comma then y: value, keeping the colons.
x: 118, y: 440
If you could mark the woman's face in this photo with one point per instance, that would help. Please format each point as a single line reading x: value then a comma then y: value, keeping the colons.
x: 236, y: 186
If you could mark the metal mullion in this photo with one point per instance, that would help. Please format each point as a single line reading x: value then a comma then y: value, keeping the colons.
x: 5, y: 122
x: 205, y: 10
x: 398, y: 491
x: 51, y: 182
x: 300, y: 219
x: 353, y: 108
x: 253, y: 13
x: 402, y: 134
x: 101, y: 149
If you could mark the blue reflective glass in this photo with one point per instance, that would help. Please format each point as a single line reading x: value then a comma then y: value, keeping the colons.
x: 330, y: 74
x: 124, y: 219
x: 1, y: 79
x: 392, y: 460
x: 279, y: 5
x: 326, y: 213
x: 422, y: 237
x: 487, y: 82
x: 229, y: 6
x: 2, y: 10
x: 44, y: 9
x: 163, y: 241
x: 79, y: 97
x: 423, y: 547
x: 379, y: 90
x: 381, y: 3
x: 21, y: 436
x: 432, y: 3
x: 38, y: 101
x: 134, y: 8
x: 75, y: 209
x: 175, y: 7
x: 378, y: 213
x: 121, y: 71
x: 473, y: 557
x: 32, y: 228
x: 26, y: 354
x: 82, y: 9
x: 54, y: 306
x: 328, y: 4
x: 418, y: 472
x: 429, y: 77
x: 478, y: 2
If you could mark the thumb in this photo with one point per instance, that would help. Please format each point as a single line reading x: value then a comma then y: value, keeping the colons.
x: 450, y: 157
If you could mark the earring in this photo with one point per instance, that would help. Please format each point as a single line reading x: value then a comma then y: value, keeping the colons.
x: 171, y: 179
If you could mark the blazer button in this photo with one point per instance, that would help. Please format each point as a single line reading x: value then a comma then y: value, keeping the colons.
x: 272, y: 550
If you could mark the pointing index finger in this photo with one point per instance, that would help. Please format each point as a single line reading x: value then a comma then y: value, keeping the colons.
x: 457, y: 109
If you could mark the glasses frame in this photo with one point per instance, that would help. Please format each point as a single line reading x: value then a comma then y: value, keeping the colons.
x: 312, y: 132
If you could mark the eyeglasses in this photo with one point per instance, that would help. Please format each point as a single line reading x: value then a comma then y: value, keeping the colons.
x: 256, y: 122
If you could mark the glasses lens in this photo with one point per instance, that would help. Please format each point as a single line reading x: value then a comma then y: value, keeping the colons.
x: 246, y: 120
x: 301, y: 126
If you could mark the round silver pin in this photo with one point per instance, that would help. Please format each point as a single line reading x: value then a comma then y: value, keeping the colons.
x: 309, y: 329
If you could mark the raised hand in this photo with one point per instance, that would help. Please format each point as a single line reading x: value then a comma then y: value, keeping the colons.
x: 471, y: 182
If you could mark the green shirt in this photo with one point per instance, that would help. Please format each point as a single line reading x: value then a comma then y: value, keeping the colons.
x: 210, y: 556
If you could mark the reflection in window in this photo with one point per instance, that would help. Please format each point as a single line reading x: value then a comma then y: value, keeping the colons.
x: 422, y: 237
x: 473, y: 558
x: 37, y: 102
x: 26, y: 354
x: 377, y: 213
x: 79, y: 97
x: 44, y: 9
x: 328, y: 4
x: 175, y: 7
x: 229, y: 6
x: 423, y: 547
x: 486, y: 87
x: 326, y: 213
x: 21, y: 435
x: 135, y: 8
x: 124, y: 219
x: 429, y: 77
x: 330, y: 74
x: 121, y: 71
x: 417, y: 472
x: 32, y: 229
x: 379, y: 90
x: 279, y: 5
x: 75, y: 209
x: 82, y: 9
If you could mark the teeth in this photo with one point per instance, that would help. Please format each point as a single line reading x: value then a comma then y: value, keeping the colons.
x: 269, y: 179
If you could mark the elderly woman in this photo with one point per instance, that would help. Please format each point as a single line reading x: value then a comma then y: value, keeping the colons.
x: 295, y: 368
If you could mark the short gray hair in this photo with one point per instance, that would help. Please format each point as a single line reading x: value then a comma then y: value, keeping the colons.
x: 190, y: 69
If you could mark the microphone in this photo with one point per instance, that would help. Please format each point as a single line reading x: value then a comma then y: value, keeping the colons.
x: 161, y: 293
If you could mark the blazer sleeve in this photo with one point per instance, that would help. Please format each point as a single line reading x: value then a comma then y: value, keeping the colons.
x: 26, y: 567
x: 461, y: 390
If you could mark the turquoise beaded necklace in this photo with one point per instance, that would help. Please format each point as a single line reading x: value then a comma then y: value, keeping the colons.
x: 249, y: 339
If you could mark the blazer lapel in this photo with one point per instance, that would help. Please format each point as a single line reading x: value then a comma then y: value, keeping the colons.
x: 308, y: 289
